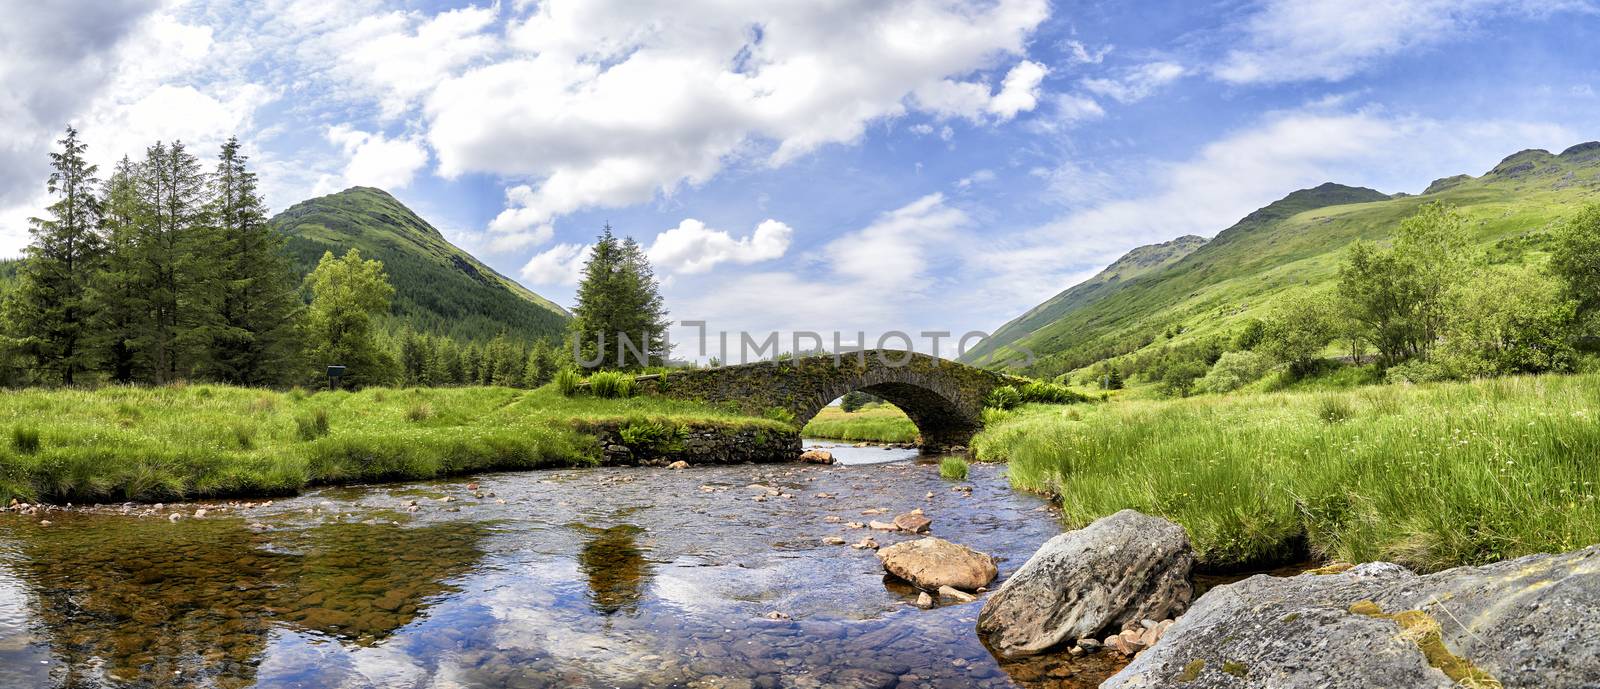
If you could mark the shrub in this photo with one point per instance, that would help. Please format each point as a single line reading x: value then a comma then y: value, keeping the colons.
x: 1004, y: 397
x: 1037, y: 392
x: 1418, y: 371
x: 611, y: 385
x: 953, y: 468
x: 421, y: 411
x: 1334, y: 409
x: 312, y: 425
x: 25, y: 440
x: 1179, y: 379
x: 1235, y: 370
x: 652, y: 437
x: 567, y: 381
x: 779, y: 414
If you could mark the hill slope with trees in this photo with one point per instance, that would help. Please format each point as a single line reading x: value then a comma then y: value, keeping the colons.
x: 439, y: 288
x: 1288, y: 249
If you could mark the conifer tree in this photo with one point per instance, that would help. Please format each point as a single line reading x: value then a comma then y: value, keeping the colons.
x: 170, y: 254
x: 50, y: 312
x: 618, y: 301
x: 247, y: 290
x: 116, y: 288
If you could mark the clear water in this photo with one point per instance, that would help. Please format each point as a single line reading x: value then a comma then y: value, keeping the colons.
x: 586, y: 578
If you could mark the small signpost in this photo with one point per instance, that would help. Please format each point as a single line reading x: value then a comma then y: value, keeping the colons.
x: 334, y: 374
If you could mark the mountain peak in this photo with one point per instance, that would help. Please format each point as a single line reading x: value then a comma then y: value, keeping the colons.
x: 1583, y: 151
x: 1522, y: 162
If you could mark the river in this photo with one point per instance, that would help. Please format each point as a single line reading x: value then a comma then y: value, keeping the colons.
x: 626, y: 577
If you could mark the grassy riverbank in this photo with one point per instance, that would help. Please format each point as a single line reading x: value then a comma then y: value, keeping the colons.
x: 131, y: 443
x: 881, y: 423
x: 1428, y: 476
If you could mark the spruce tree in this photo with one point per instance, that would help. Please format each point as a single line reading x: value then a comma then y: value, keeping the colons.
x: 170, y: 264
x: 50, y: 312
x: 117, y: 288
x: 245, y: 299
x: 618, y: 297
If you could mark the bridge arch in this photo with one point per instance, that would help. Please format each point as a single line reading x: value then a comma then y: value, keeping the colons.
x: 943, y: 398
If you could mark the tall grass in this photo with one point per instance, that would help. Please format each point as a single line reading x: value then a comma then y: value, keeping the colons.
x: 953, y: 468
x: 881, y: 423
x: 128, y: 443
x: 1428, y: 476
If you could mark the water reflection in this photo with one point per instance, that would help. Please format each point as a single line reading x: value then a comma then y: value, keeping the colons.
x: 145, y: 602
x: 583, y: 578
x: 615, y: 567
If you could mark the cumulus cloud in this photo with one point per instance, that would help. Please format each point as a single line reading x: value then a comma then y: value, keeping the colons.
x: 608, y: 103
x: 1137, y: 83
x: 400, y: 56
x: 375, y: 160
x: 895, y: 251
x: 1331, y: 40
x: 691, y: 247
x: 561, y: 264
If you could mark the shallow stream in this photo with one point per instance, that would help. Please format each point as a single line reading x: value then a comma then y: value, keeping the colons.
x: 628, y: 577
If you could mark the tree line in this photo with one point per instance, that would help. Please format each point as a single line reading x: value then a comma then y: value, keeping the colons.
x: 1428, y: 306
x: 165, y: 271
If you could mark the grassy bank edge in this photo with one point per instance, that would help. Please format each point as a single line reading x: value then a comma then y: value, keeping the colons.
x: 877, y: 423
x: 1429, y: 476
x: 119, y: 444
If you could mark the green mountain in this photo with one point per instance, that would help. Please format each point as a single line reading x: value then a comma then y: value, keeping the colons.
x: 1293, y: 244
x: 438, y: 287
x: 1132, y: 264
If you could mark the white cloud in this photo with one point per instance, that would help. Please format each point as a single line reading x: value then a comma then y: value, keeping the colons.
x: 691, y: 247
x: 978, y: 177
x: 375, y: 160
x: 609, y: 103
x: 1019, y: 92
x: 1137, y: 83
x: 1330, y: 40
x: 561, y: 264
x: 923, y: 128
x: 1080, y: 54
x: 894, y: 252
x: 1072, y: 109
x: 400, y: 56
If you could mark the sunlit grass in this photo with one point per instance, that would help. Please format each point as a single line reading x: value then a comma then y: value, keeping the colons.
x: 882, y: 423
x: 1429, y: 476
x: 135, y: 443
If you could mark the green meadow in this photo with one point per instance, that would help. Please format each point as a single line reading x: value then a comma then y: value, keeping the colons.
x: 166, y: 443
x: 1430, y: 476
x: 879, y: 423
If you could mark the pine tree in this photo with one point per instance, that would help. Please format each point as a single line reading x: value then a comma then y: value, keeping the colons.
x: 245, y: 300
x: 50, y: 311
x: 450, y: 365
x: 116, y: 288
x: 541, y: 366
x: 618, y: 298
x: 413, y: 358
x: 346, y: 294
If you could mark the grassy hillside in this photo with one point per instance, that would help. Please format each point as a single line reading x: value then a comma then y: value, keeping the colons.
x: 438, y: 287
x: 1295, y: 244
x: 1133, y: 264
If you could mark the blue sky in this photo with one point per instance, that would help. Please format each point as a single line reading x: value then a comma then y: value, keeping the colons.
x: 866, y: 165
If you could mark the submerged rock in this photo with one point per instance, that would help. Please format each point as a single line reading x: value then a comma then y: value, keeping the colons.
x: 1530, y: 622
x: 1100, y: 579
x: 930, y: 563
x: 680, y: 464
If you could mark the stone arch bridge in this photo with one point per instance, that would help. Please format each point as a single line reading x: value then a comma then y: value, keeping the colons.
x: 942, y: 397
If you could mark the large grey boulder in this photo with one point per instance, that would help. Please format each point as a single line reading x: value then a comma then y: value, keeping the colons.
x: 1106, y: 576
x: 1530, y: 622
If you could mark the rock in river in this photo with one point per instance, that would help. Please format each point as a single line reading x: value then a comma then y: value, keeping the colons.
x: 913, y: 522
x: 817, y: 457
x: 929, y: 563
x: 1530, y: 622
x: 1102, y: 578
